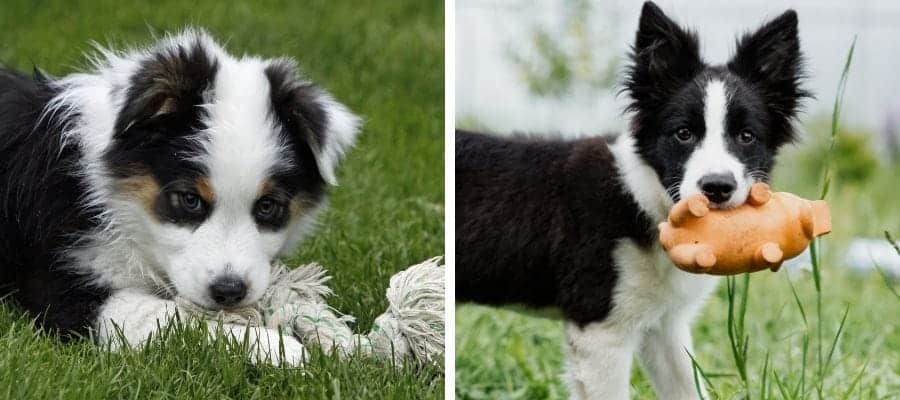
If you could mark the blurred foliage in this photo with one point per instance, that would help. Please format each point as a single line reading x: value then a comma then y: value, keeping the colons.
x: 863, y: 187
x: 855, y: 159
x: 573, y: 54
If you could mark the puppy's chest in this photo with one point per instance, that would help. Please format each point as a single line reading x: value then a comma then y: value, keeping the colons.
x: 649, y: 286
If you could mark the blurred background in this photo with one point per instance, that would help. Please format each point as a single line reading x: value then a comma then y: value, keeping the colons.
x: 554, y: 67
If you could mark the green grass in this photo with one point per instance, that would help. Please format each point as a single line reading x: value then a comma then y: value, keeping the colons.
x: 823, y: 334
x: 385, y: 61
x: 505, y: 355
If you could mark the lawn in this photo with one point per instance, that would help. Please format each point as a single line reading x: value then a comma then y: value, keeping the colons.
x: 794, y: 341
x: 385, y: 61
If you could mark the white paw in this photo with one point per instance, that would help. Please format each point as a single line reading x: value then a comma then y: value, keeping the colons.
x: 268, y: 346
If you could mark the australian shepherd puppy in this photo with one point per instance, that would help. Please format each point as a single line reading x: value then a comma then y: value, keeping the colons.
x: 572, y: 224
x: 173, y: 170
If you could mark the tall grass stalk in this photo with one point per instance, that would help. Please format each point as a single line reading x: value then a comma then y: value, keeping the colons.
x: 738, y: 295
x: 822, y: 363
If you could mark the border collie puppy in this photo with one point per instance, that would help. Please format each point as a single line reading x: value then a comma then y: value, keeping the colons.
x: 572, y: 224
x: 174, y: 170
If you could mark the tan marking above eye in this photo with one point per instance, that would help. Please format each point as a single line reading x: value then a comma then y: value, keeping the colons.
x: 143, y: 188
x: 265, y: 188
x: 205, y: 190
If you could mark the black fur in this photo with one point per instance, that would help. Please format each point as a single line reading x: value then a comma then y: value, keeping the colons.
x: 40, y: 216
x: 536, y: 223
x: 296, y: 105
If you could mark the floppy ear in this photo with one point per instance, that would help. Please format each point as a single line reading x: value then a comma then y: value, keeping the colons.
x: 663, y: 58
x: 312, y: 117
x: 170, y: 80
x: 770, y: 57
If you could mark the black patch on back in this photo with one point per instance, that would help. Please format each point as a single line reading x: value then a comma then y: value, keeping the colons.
x: 41, y: 210
x: 537, y: 221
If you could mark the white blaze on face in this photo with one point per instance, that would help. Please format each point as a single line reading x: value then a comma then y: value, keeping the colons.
x: 711, y: 156
x: 243, y: 147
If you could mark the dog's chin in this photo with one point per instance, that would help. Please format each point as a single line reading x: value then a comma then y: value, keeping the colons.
x: 728, y: 205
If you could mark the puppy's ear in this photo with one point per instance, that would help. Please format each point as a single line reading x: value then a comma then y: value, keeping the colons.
x: 170, y: 80
x: 770, y: 57
x: 663, y: 58
x: 311, y: 117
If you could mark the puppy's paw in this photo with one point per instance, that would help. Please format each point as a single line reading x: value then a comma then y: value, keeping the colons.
x: 268, y: 346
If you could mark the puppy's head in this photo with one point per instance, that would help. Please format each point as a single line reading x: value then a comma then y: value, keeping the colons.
x: 219, y: 164
x: 713, y: 129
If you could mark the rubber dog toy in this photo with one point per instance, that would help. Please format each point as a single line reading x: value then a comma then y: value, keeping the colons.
x: 768, y: 229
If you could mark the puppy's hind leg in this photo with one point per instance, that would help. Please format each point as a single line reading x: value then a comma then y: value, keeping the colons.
x: 599, y: 359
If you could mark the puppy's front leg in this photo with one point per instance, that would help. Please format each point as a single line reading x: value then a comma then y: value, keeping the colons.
x: 265, y: 345
x: 134, y: 313
x: 138, y: 315
x: 599, y: 361
x: 664, y: 358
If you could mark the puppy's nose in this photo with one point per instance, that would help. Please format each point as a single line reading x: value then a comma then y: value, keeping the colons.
x: 717, y: 187
x: 228, y: 290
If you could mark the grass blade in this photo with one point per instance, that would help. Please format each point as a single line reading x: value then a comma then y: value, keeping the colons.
x: 836, y: 117
x: 699, y: 373
x: 836, y: 337
x: 887, y: 235
x: 797, y: 300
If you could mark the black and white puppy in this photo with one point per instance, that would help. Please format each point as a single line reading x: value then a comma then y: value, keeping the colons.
x: 572, y: 224
x: 173, y: 170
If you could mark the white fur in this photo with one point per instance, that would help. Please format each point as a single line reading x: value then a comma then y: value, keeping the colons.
x: 642, y: 181
x: 654, y: 304
x: 342, y: 129
x: 712, y: 156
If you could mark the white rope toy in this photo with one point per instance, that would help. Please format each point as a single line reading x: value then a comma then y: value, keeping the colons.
x: 412, y: 326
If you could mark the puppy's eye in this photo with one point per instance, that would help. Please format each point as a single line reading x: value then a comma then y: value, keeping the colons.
x: 265, y: 208
x: 746, y: 136
x: 684, y: 135
x: 269, y: 213
x: 188, y: 202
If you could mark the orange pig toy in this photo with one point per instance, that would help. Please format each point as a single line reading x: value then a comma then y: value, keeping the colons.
x: 768, y: 229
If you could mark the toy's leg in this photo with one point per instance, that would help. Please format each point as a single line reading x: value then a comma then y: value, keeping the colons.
x: 759, y: 194
x: 695, y: 206
x: 599, y: 360
x: 694, y: 257
x: 821, y: 218
x: 770, y: 254
x: 663, y: 353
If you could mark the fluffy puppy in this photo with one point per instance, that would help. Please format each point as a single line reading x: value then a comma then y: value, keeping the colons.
x: 173, y: 170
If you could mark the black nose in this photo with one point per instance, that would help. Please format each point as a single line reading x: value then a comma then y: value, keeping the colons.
x: 718, y: 187
x: 228, y: 290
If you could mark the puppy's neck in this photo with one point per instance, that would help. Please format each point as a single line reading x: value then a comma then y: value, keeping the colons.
x: 640, y: 179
